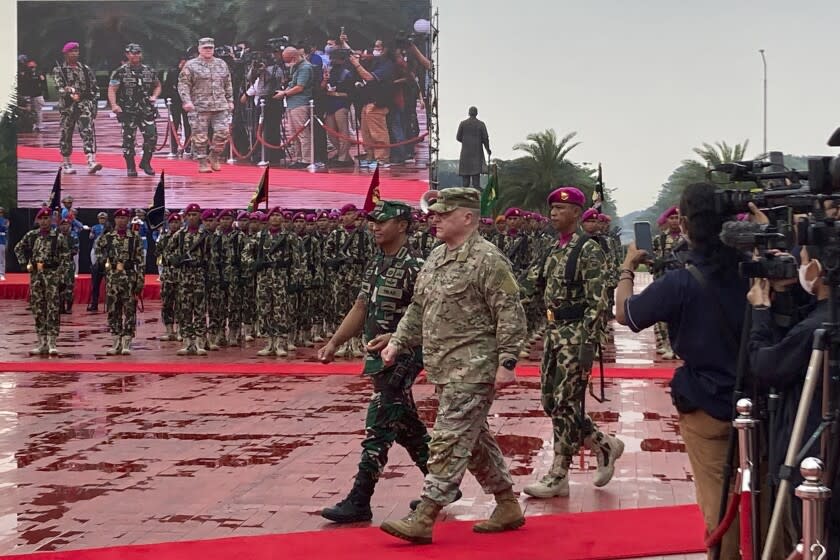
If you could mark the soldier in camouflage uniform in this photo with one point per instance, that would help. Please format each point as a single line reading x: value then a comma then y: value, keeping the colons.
x: 570, y: 279
x: 249, y: 278
x: 168, y: 277
x: 591, y: 225
x: 392, y: 416
x: 132, y: 92
x: 216, y: 312
x: 275, y: 258
x: 189, y: 252
x: 232, y: 249
x: 467, y: 316
x: 346, y: 252
x: 41, y: 252
x: 67, y: 272
x: 663, y: 248
x: 308, y: 308
x: 423, y: 239
x: 207, y: 94
x: 122, y: 252
x: 77, y: 97
x: 324, y: 280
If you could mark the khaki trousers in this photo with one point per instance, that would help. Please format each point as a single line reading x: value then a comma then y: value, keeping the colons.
x: 375, y: 131
x: 301, y: 147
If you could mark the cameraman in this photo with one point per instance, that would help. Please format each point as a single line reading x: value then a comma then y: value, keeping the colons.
x: 297, y: 97
x: 269, y: 81
x: 340, y: 87
x: 702, y: 388
x: 377, y: 97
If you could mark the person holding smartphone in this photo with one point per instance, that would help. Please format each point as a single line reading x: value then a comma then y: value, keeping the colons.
x: 704, y: 325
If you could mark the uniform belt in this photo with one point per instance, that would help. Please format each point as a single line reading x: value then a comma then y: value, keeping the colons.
x: 565, y: 314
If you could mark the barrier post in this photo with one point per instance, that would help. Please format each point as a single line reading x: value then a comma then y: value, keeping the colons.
x: 263, y: 162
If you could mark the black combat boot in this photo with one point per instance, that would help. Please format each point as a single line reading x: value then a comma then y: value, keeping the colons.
x: 146, y: 163
x: 356, y: 506
x: 131, y: 171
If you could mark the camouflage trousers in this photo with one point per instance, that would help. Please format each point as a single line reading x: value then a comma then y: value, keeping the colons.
x: 216, y: 311
x: 168, y: 297
x: 130, y: 122
x: 534, y: 314
x: 81, y: 114
x: 231, y: 303
x: 273, y: 306
x: 191, y: 308
x: 43, y: 298
x: 345, y: 290
x: 461, y: 440
x: 68, y: 284
x: 392, y: 417
x: 121, y: 303
x: 564, y: 375
x: 248, y: 295
x: 200, y: 122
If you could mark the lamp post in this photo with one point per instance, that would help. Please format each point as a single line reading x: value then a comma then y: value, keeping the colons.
x: 764, y: 61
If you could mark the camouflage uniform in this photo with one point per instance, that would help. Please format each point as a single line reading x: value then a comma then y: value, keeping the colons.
x: 575, y: 308
x: 83, y: 81
x: 467, y: 316
x: 233, y: 244
x: 216, y: 290
x: 346, y: 252
x: 663, y: 246
x: 189, y: 252
x: 122, y: 253
x: 168, y: 279
x: 135, y: 85
x: 422, y: 242
x: 249, y: 287
x: 311, y: 280
x: 68, y: 275
x: 207, y: 85
x: 43, y: 253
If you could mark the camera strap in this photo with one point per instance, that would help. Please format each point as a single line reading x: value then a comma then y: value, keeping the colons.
x: 725, y: 327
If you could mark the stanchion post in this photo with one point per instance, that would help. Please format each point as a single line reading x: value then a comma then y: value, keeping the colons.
x: 312, y: 167
x: 263, y: 161
x: 745, y: 424
x: 173, y: 148
x: 814, y: 495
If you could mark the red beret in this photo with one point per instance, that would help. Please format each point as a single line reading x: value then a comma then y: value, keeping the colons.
x: 173, y: 216
x: 226, y: 214
x: 243, y: 215
x: 324, y: 215
x: 275, y: 210
x: 64, y: 221
x: 310, y: 218
x: 299, y: 216
x: 513, y: 213
x: 192, y: 208
x: 567, y: 195
x: 122, y: 213
x: 348, y: 208
x: 590, y: 214
x: 256, y: 215
x: 43, y: 212
x: 208, y: 214
x: 667, y: 214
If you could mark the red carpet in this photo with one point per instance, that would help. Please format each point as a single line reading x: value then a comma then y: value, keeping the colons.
x: 408, y: 190
x: 585, y: 536
x: 16, y: 286
x: 200, y: 366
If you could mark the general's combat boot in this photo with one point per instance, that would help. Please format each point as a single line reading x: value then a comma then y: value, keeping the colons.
x: 130, y: 170
x: 52, y: 346
x: 215, y: 161
x: 248, y: 330
x: 606, y: 454
x: 126, y: 346
x: 279, y: 347
x: 416, y: 527
x: 67, y: 167
x: 188, y: 346
x: 93, y: 166
x: 146, y: 163
x: 270, y: 347
x: 356, y: 506
x: 116, y: 348
x: 199, y: 346
x: 41, y: 348
x: 507, y: 515
x: 204, y: 165
x: 169, y: 336
x: 555, y: 483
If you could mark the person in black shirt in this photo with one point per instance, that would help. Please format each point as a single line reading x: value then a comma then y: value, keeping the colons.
x: 32, y: 87
x: 706, y: 339
x: 179, y: 116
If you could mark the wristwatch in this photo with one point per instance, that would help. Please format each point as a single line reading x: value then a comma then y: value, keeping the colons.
x: 510, y: 363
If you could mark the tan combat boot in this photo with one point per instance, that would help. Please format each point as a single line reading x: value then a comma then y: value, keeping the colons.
x: 51, y: 346
x: 555, y: 483
x: 606, y: 455
x: 126, y: 346
x: 270, y: 347
x: 41, y: 348
x: 185, y: 351
x: 507, y: 515
x: 116, y: 348
x: 211, y: 341
x: 248, y: 329
x: 169, y: 336
x: 199, y: 346
x: 204, y: 165
x: 93, y: 166
x: 416, y: 527
x: 280, y: 347
x: 215, y: 161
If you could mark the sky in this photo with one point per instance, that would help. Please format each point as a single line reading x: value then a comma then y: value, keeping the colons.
x: 642, y: 82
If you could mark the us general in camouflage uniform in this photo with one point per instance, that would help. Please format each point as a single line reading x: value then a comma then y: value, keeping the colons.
x: 392, y: 415
x: 467, y: 316
x: 41, y: 252
x: 207, y: 95
x: 122, y: 252
x: 132, y: 91
x: 571, y: 282
x: 77, y: 97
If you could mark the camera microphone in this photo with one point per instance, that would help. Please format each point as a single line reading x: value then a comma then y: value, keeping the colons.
x: 740, y: 235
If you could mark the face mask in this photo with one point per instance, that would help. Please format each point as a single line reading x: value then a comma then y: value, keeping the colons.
x: 377, y: 52
x: 808, y: 285
x: 329, y: 49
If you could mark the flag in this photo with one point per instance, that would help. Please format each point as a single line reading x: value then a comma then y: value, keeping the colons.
x: 373, y: 195
x: 261, y: 194
x: 157, y: 209
x: 490, y: 194
x: 55, y: 195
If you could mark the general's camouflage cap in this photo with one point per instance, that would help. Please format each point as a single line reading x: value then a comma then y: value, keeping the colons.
x: 388, y: 210
x: 133, y: 48
x: 206, y: 42
x: 457, y: 197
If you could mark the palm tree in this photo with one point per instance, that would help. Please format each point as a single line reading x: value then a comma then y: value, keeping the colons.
x: 721, y: 152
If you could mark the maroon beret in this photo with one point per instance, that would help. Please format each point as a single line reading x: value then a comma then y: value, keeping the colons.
x: 122, y: 213
x: 226, y: 214
x: 208, y: 214
x: 173, y: 216
x: 275, y: 210
x: 43, y: 212
x: 348, y: 208
x: 513, y: 213
x: 590, y: 214
x: 243, y: 215
x: 567, y: 195
x: 192, y: 208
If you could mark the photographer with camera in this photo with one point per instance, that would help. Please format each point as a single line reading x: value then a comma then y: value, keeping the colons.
x: 32, y: 87
x: 176, y: 106
x: 269, y: 77
x: 339, y: 91
x: 701, y: 302
x: 376, y: 91
x: 297, y: 97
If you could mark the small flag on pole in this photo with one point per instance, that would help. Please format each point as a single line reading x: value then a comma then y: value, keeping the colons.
x: 490, y: 194
x: 55, y: 195
x: 373, y: 195
x: 157, y: 209
x: 261, y: 194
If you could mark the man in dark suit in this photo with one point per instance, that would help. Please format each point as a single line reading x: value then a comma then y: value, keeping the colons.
x: 472, y: 134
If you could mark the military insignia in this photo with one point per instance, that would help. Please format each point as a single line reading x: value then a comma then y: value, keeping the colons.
x: 564, y: 195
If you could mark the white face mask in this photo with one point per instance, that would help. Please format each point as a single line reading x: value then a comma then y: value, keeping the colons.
x: 808, y: 285
x: 377, y: 52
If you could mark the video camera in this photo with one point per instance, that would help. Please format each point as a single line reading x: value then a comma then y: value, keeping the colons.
x: 403, y: 39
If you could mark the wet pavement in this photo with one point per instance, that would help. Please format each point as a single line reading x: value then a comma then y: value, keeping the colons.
x: 91, y: 460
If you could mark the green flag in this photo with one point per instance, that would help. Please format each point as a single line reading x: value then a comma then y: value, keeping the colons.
x: 489, y: 195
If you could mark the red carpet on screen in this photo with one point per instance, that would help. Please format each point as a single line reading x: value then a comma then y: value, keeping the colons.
x: 598, y: 535
x: 198, y: 366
